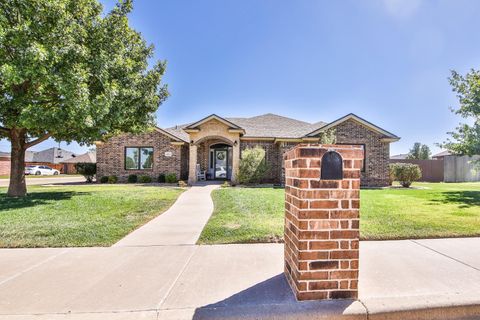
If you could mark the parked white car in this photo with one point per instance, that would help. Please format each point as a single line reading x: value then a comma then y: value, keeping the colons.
x: 41, y: 170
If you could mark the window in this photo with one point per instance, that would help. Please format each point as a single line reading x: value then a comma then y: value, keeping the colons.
x: 138, y: 158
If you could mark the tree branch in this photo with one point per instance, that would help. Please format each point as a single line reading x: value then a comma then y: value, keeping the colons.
x: 5, y: 130
x: 37, y: 141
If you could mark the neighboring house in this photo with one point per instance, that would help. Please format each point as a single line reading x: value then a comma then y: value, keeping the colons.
x: 216, y: 145
x: 401, y: 156
x: 441, y: 155
x: 4, y: 163
x: 69, y: 164
x: 51, y: 157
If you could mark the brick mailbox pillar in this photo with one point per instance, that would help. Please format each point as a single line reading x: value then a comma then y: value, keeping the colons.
x: 322, y: 200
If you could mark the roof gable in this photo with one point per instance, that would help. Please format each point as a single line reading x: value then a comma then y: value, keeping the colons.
x: 358, y: 119
x: 226, y: 122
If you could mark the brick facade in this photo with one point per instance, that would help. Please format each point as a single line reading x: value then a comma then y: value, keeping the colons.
x: 111, y: 155
x: 322, y: 224
x: 377, y: 152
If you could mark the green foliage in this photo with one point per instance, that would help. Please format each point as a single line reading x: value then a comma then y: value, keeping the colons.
x: 253, y: 166
x: 132, y: 178
x: 88, y: 170
x: 104, y: 179
x: 329, y: 136
x: 71, y: 72
x: 145, y: 179
x: 466, y: 138
x: 419, y: 151
x: 112, y: 179
x: 171, y: 178
x: 391, y: 174
x: 406, y: 173
x: 161, y: 178
x: 226, y: 184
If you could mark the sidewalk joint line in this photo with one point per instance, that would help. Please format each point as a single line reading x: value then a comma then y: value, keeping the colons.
x: 38, y: 264
x: 446, y: 255
x: 167, y: 294
x: 366, y: 309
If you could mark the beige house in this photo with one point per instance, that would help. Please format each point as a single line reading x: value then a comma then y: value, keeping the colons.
x: 213, y: 146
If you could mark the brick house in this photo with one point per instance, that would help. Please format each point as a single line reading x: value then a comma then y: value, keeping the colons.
x: 215, y: 144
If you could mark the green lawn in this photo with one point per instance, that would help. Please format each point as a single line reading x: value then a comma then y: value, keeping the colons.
x: 436, y: 210
x: 95, y: 215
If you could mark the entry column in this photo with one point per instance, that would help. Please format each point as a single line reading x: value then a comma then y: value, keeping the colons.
x: 322, y: 201
x: 192, y: 164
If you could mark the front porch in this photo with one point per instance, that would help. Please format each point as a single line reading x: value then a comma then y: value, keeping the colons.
x: 213, y: 158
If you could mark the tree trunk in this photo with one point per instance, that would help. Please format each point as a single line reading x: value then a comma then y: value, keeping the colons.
x: 17, y: 187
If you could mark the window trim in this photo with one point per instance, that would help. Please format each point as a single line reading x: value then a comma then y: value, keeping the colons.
x: 139, y: 155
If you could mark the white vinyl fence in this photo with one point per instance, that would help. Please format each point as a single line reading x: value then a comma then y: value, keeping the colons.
x: 461, y: 169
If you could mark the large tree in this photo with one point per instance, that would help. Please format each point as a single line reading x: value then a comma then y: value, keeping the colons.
x: 70, y: 73
x: 466, y: 138
x: 419, y: 151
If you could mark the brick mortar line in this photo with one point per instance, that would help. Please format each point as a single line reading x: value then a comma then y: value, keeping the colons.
x: 445, y: 255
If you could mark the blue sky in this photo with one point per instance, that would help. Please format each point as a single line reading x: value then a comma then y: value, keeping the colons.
x: 385, y: 60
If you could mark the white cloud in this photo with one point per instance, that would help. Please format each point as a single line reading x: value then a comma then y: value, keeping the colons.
x: 402, y: 8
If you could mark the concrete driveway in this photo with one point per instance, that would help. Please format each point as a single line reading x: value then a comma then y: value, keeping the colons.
x: 427, y: 279
x: 47, y: 180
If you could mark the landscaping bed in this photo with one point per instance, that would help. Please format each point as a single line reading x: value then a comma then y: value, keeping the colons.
x: 88, y: 215
x: 431, y: 210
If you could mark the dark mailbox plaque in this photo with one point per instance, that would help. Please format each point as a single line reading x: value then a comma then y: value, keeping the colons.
x: 332, y: 166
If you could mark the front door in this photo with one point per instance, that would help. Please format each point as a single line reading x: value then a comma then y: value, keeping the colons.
x: 221, y: 163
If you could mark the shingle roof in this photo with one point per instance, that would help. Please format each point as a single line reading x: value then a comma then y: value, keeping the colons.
x: 267, y: 125
x: 442, y: 154
x: 4, y: 154
x: 88, y: 157
x: 274, y: 126
x: 51, y: 155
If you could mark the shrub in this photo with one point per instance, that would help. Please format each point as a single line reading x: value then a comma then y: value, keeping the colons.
x: 406, y: 173
x: 253, y: 167
x: 225, y: 184
x: 171, y: 178
x: 182, y: 184
x: 88, y: 170
x: 112, y: 179
x: 145, y: 179
x: 132, y: 178
x: 161, y: 178
x: 391, y: 174
x: 104, y: 179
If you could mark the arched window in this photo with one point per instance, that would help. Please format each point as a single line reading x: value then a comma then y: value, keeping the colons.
x: 332, y: 166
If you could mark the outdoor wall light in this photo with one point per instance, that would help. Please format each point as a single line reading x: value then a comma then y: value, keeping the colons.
x: 235, y: 142
x: 191, y: 143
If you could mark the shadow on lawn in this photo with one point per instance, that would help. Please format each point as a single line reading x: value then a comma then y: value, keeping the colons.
x: 36, y: 198
x: 464, y: 199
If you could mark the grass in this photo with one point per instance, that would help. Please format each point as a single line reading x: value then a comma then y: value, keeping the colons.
x: 79, y: 215
x: 434, y: 210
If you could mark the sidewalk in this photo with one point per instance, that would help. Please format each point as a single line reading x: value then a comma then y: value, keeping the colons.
x: 420, y: 279
x: 181, y: 224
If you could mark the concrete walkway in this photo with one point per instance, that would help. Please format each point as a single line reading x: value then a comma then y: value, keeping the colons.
x: 181, y: 224
x: 420, y: 279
